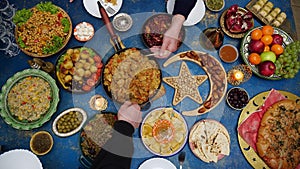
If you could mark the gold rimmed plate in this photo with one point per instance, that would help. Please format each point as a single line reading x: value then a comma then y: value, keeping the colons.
x: 249, y: 153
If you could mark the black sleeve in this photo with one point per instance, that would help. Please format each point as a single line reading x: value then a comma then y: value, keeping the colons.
x: 184, y: 7
x: 117, y: 152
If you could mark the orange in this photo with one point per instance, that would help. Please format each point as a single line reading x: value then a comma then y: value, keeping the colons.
x: 256, y: 34
x: 254, y: 58
x: 267, y: 39
x: 267, y: 30
x: 277, y: 49
x: 267, y: 48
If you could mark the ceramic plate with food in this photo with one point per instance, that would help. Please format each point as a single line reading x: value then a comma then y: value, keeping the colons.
x: 248, y: 46
x: 154, y: 28
x: 164, y: 131
x: 92, y: 7
x: 69, y: 122
x: 130, y: 75
x: 216, y: 76
x: 255, y: 113
x: 209, y: 140
x: 28, y: 99
x: 43, y: 30
x: 78, y: 69
x: 236, y: 21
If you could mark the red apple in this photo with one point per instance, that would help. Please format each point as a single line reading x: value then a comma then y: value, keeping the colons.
x: 256, y: 46
x: 266, y: 68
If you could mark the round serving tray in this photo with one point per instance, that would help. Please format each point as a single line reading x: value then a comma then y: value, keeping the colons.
x: 66, y: 40
x: 257, y: 101
x: 224, y: 28
x: 244, y: 50
x: 25, y: 125
x: 95, y: 76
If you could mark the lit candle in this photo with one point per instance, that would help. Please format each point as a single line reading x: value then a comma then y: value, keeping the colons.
x: 238, y: 75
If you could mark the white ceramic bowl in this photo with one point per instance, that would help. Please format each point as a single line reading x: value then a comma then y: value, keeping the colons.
x: 19, y: 158
x: 241, y: 89
x: 230, y: 49
x: 157, y: 163
x: 84, y: 118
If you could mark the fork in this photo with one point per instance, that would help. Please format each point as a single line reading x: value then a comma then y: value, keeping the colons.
x: 181, y: 158
x: 107, y: 7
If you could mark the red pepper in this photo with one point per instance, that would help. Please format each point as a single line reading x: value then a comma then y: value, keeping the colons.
x: 59, y: 15
x: 23, y: 103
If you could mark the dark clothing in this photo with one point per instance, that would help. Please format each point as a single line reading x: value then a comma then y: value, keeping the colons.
x: 117, y: 152
x: 184, y: 7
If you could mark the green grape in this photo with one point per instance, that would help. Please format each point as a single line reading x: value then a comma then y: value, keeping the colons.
x: 285, y: 76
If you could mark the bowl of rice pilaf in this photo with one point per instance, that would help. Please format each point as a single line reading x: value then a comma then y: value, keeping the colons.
x: 43, y: 30
x: 28, y: 99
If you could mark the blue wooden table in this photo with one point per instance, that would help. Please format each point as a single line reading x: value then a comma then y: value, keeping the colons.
x: 66, y: 151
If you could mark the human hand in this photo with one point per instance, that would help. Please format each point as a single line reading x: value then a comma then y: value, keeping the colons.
x: 170, y: 40
x: 130, y: 112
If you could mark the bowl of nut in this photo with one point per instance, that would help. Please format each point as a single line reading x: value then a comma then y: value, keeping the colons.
x: 69, y: 122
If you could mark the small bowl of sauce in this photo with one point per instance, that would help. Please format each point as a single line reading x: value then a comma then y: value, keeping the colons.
x: 228, y: 53
x: 41, y: 143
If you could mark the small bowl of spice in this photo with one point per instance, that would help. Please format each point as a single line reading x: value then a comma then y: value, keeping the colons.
x: 237, y: 98
x: 41, y: 143
x: 215, y: 5
x: 228, y: 53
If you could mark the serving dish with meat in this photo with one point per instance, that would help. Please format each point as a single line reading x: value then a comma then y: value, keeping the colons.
x: 29, y: 99
x: 96, y: 132
x: 79, y: 69
x: 129, y: 75
x: 42, y: 30
x: 154, y: 28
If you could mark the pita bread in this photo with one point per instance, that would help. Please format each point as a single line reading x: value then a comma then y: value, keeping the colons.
x: 209, y: 140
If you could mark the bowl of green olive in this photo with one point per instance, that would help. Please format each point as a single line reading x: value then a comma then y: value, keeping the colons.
x: 69, y: 122
x: 215, y: 5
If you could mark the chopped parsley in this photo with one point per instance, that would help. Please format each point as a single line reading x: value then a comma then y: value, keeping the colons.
x: 22, y: 16
x: 47, y: 7
x: 57, y: 44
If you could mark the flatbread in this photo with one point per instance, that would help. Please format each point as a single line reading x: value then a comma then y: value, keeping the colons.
x: 209, y: 140
x: 278, y: 139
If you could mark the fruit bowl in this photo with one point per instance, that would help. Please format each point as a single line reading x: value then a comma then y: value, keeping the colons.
x: 245, y: 52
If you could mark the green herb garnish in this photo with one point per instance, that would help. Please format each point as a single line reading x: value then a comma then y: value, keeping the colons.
x: 22, y: 16
x: 57, y: 44
x: 66, y: 24
x: 47, y: 7
x: 21, y: 42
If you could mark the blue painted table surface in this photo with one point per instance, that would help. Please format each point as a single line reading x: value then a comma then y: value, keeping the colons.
x: 66, y: 151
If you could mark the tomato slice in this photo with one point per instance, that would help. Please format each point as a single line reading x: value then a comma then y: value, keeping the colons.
x: 86, y: 87
x: 91, y: 82
x: 97, y: 59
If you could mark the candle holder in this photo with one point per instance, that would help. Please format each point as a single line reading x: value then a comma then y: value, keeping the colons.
x: 239, y: 74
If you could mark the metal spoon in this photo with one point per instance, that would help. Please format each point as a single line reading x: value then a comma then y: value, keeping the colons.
x: 181, y: 158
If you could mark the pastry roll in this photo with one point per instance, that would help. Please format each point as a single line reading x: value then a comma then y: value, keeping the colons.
x: 269, y: 4
x: 275, y: 12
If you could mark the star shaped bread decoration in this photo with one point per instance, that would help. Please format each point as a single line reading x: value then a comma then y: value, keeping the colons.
x: 185, y: 85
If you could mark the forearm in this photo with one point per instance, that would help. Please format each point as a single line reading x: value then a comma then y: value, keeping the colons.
x: 184, y: 7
